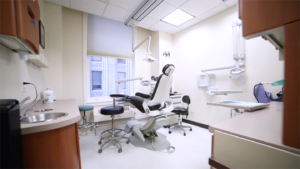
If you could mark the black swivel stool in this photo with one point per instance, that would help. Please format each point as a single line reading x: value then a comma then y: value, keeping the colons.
x: 112, y: 135
x: 180, y: 111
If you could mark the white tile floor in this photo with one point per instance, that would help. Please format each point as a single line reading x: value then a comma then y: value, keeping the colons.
x: 192, y: 151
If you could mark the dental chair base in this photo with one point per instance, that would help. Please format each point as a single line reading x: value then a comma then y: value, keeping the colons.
x: 155, y: 143
x: 146, y: 136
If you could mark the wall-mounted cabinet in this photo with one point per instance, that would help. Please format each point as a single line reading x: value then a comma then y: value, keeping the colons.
x: 280, y: 20
x: 19, y: 25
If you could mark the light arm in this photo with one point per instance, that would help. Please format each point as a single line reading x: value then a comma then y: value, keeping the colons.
x: 149, y: 42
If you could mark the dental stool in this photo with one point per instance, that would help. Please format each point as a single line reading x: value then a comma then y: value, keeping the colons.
x: 112, y: 135
x: 181, y: 111
x: 86, y: 124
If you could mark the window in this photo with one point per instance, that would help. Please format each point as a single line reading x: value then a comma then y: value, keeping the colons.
x: 104, y: 71
x: 96, y: 80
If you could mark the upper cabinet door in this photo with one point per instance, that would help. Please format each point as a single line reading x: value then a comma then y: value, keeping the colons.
x: 262, y: 15
x: 7, y: 18
x: 27, y: 12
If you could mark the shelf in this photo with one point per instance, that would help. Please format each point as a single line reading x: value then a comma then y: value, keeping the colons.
x: 225, y: 92
x: 39, y: 60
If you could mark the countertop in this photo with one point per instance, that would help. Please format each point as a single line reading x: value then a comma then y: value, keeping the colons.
x: 263, y: 126
x: 66, y: 106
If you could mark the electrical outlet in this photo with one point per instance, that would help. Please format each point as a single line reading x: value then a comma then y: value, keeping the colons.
x: 23, y: 88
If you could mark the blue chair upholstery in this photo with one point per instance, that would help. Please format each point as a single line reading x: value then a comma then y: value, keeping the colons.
x: 86, y: 108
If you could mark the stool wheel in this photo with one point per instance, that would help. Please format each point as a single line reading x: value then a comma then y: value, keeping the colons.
x: 127, y: 142
x: 170, y: 132
x: 100, y: 151
x: 120, y: 150
x: 190, y: 129
x: 184, y: 134
x: 99, y: 142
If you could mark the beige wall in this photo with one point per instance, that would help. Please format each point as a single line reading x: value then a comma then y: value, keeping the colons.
x: 54, y: 48
x: 64, y: 44
x: 72, y: 67
x: 208, y: 44
x: 142, y: 68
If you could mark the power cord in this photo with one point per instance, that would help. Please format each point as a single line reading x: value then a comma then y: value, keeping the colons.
x: 170, y: 149
x: 36, y: 94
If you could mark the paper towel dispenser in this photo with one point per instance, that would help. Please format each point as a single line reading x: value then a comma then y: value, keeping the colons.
x: 206, y: 79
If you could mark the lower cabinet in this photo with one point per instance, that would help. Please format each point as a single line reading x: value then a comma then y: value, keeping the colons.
x: 58, y: 148
x: 231, y: 151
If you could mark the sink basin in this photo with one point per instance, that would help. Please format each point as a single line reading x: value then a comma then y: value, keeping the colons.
x: 43, y: 110
x: 43, y: 117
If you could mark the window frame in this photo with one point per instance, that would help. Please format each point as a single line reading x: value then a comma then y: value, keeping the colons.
x: 104, y: 100
x: 100, y: 101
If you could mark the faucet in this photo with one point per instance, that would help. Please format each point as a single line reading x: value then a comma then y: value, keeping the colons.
x: 23, y: 101
x: 24, y: 113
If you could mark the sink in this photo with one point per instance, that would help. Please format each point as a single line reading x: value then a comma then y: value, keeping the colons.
x: 43, y: 110
x: 43, y: 117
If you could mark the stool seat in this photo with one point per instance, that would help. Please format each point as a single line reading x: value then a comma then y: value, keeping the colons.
x: 112, y: 110
x: 85, y: 108
x: 180, y: 111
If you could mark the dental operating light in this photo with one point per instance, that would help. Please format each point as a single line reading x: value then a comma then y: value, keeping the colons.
x: 177, y: 17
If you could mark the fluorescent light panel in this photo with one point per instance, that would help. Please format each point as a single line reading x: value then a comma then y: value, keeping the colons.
x: 177, y: 17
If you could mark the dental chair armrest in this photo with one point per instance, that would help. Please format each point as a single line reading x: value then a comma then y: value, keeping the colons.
x: 142, y: 95
x: 118, y: 95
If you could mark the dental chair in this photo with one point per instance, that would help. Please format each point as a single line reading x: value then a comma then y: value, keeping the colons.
x: 155, y: 105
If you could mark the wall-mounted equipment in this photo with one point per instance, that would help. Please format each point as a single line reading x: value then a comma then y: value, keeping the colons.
x: 239, y: 55
x: 206, y: 80
x: 166, y: 54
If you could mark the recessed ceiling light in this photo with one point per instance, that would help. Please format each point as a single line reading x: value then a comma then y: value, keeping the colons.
x: 177, y: 17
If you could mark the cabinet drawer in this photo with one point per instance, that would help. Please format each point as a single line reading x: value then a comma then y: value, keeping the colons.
x: 27, y: 20
x: 237, y: 152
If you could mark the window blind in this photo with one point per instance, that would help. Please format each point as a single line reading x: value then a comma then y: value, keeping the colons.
x: 108, y: 38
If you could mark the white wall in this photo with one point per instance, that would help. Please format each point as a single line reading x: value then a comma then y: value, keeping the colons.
x: 208, y: 44
x: 13, y: 71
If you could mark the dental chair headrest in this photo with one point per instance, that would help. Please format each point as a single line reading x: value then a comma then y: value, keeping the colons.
x: 168, y: 69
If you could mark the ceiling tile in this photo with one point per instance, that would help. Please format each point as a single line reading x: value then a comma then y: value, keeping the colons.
x: 213, y: 12
x: 147, y: 22
x: 230, y: 3
x: 161, y: 11
x: 162, y: 26
x: 89, y: 6
x: 176, y: 3
x: 65, y: 3
x: 117, y: 13
x: 199, y: 7
x: 130, y: 5
x: 173, y: 31
x: 189, y: 23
